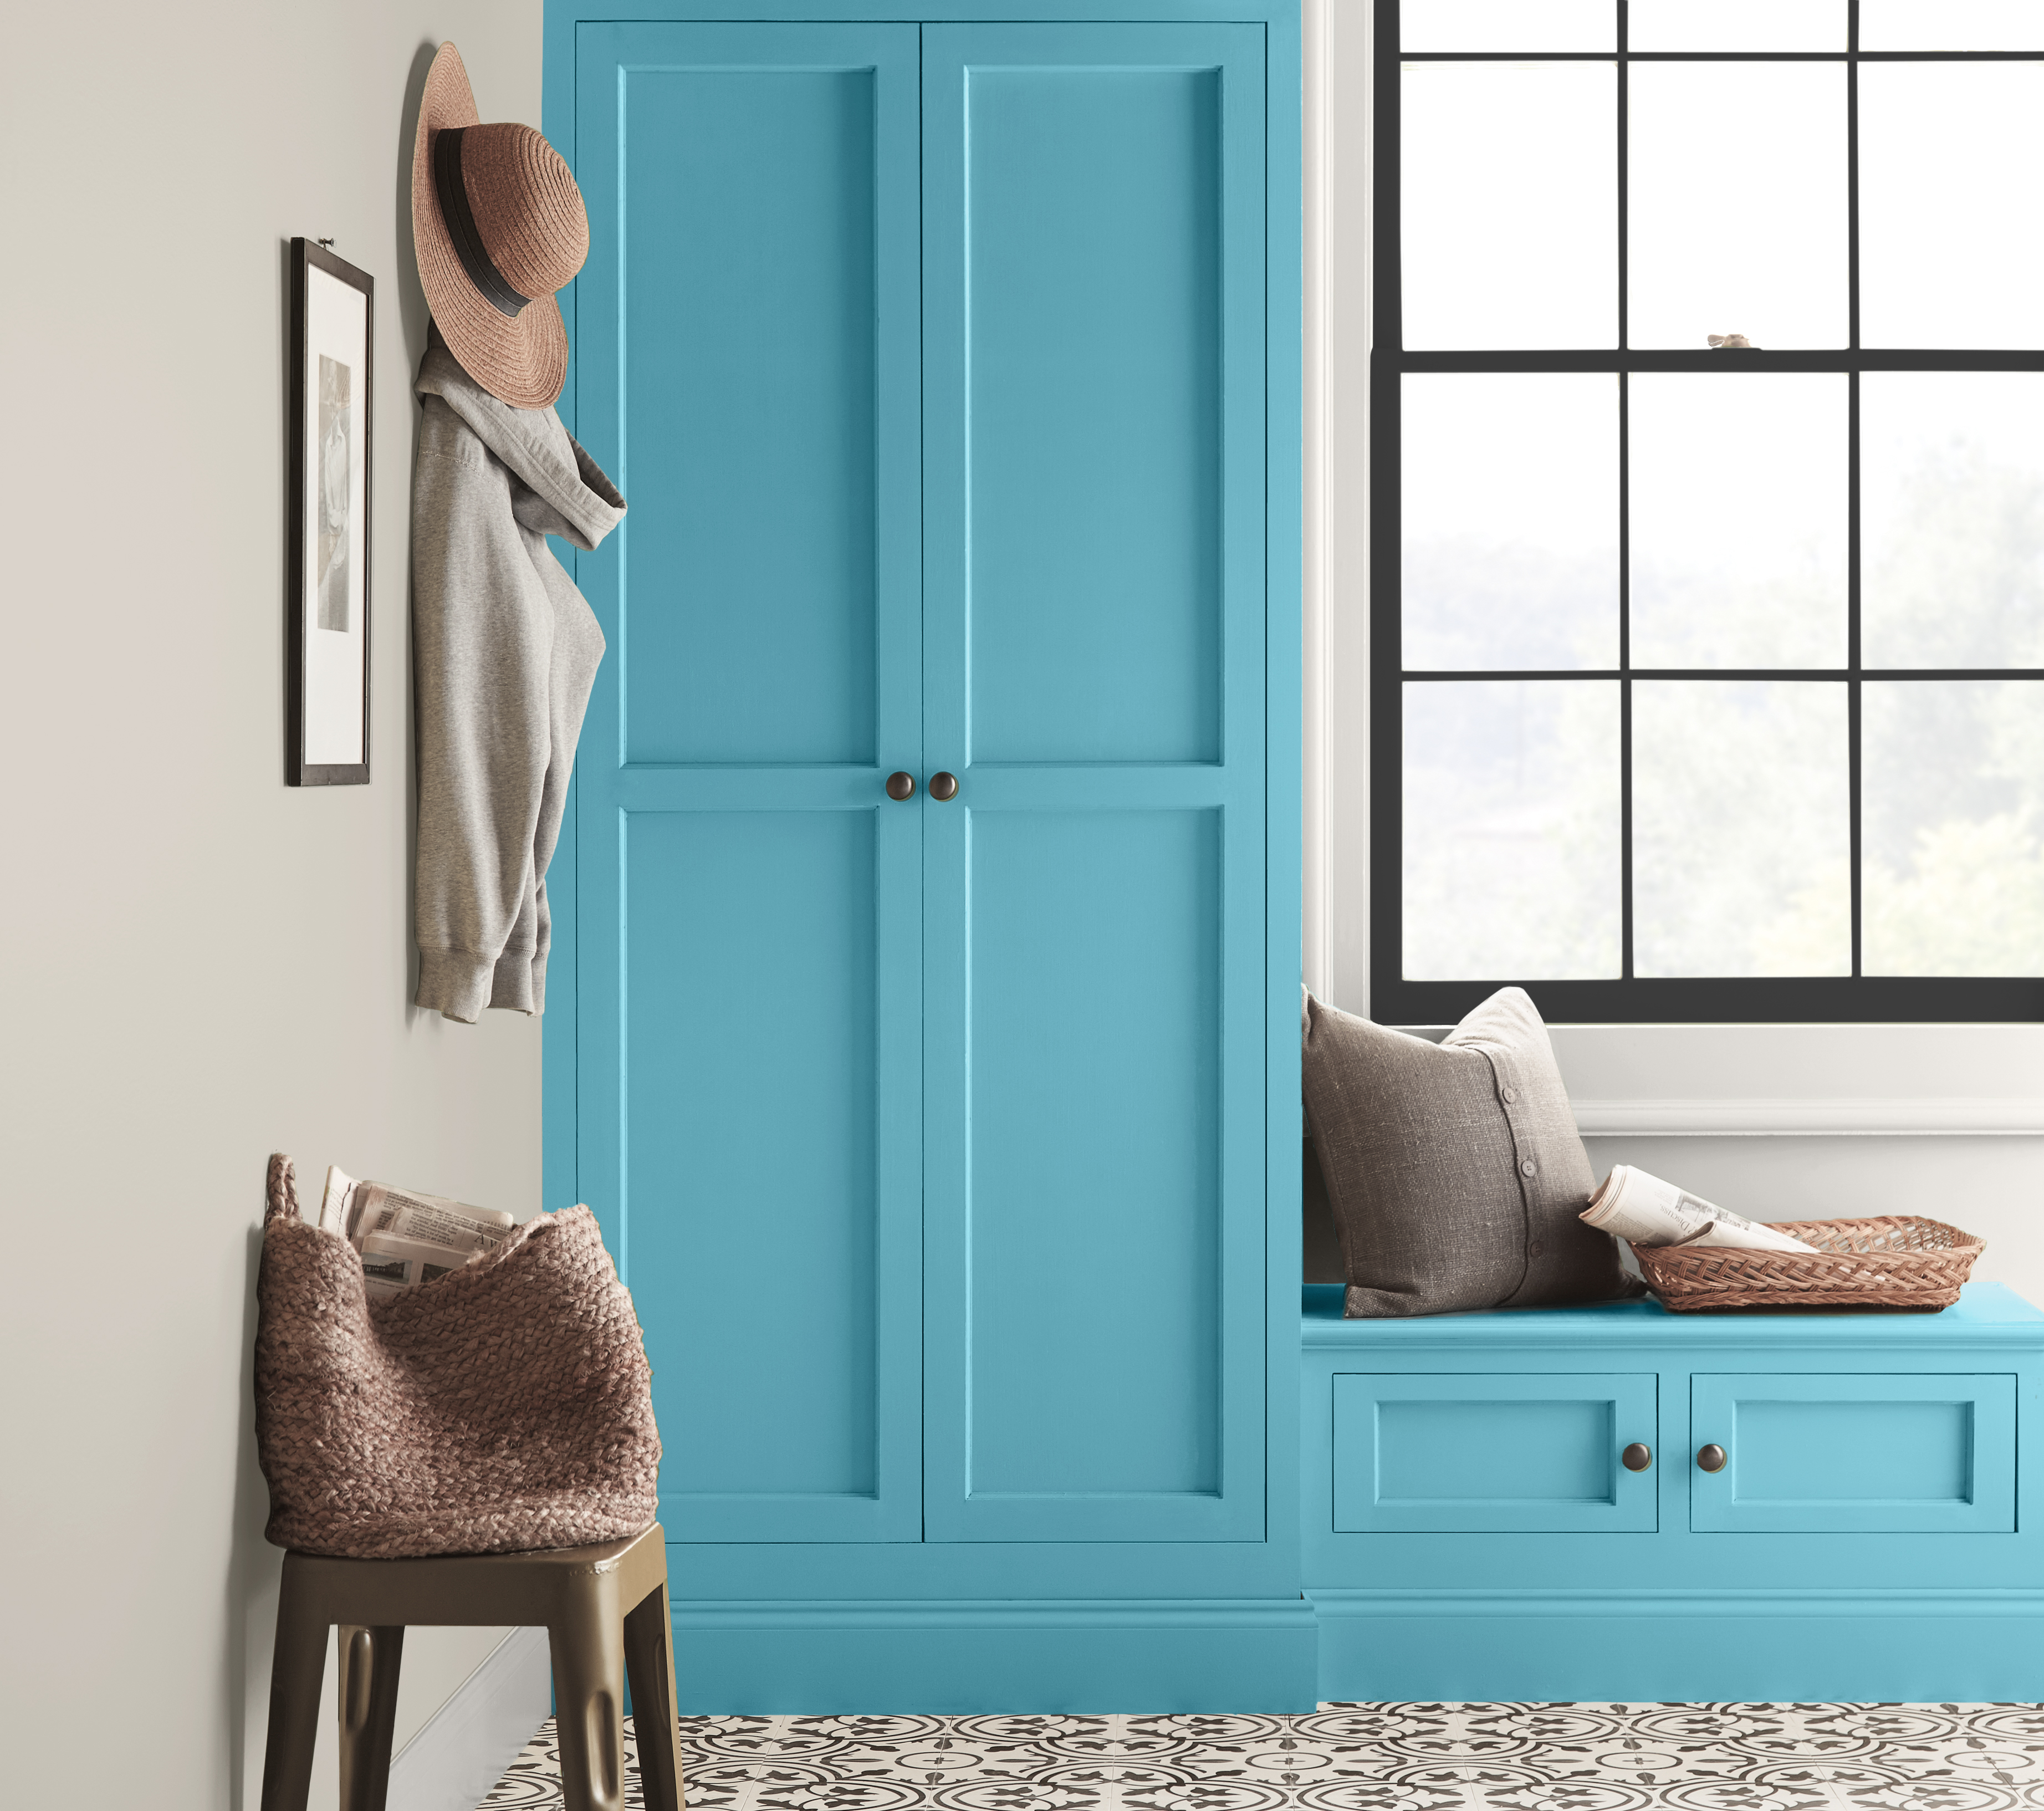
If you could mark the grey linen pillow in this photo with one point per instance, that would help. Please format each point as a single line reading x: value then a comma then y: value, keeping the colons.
x: 1454, y: 1169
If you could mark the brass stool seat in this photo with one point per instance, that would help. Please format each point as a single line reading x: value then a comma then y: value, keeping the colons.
x: 603, y: 1609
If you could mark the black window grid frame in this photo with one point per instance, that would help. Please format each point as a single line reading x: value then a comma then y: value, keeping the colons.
x: 1855, y: 998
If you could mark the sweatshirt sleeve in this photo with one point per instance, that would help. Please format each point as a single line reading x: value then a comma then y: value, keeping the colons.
x: 482, y: 632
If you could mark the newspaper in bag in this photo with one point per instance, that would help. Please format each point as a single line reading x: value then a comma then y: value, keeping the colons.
x: 1630, y: 1205
x: 334, y: 1203
x: 405, y: 1238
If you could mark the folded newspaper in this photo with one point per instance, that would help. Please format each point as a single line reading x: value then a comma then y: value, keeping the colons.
x: 1630, y: 1205
x: 405, y: 1238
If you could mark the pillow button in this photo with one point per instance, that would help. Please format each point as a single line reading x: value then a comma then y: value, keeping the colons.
x: 1526, y: 1168
x: 1535, y: 1249
x: 1510, y: 1095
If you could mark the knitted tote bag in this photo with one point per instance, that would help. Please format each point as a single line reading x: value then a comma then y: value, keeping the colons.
x: 505, y: 1406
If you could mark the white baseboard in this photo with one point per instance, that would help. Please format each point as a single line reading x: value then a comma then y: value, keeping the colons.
x: 465, y: 1746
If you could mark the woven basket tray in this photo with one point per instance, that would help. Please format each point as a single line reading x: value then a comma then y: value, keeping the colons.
x: 1897, y: 1261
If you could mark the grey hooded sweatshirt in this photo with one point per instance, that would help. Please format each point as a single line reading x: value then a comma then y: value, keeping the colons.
x: 504, y: 651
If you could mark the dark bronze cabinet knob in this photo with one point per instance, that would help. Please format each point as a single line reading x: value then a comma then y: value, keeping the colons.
x: 900, y: 786
x: 1710, y: 1458
x: 943, y: 786
x: 1636, y: 1457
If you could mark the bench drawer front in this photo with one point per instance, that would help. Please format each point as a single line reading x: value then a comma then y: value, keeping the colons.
x: 1479, y: 1451
x: 1834, y: 1453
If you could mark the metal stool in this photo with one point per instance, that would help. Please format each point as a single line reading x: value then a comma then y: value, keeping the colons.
x: 604, y: 1610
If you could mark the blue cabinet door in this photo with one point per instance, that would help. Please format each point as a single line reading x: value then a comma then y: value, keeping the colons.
x: 1095, y: 923
x: 1464, y: 1451
x: 749, y: 1044
x: 1839, y: 1453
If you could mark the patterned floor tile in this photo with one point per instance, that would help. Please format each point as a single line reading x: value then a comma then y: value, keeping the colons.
x: 1357, y: 1757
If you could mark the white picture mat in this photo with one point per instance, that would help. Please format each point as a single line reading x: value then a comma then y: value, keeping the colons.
x: 336, y: 325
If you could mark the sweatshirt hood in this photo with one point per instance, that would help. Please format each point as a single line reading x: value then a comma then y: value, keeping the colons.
x: 570, y: 495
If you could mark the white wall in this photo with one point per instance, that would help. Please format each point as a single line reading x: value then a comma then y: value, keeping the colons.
x: 201, y: 965
x: 1776, y: 1122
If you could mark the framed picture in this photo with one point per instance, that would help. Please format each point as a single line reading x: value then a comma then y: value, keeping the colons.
x: 326, y: 601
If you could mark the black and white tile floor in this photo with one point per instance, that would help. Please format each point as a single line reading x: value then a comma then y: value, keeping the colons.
x: 1359, y: 1757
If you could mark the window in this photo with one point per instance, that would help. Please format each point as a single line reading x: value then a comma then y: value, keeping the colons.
x: 1708, y: 679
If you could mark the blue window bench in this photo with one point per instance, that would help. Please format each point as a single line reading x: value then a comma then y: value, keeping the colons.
x: 1875, y: 1531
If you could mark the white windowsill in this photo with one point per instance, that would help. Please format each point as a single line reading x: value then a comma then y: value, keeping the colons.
x: 1801, y: 1081
x: 1932, y: 1116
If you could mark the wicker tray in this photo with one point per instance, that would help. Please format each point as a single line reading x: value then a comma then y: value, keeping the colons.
x: 1898, y: 1261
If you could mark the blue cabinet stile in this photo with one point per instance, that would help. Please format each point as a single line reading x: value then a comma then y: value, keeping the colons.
x: 933, y: 356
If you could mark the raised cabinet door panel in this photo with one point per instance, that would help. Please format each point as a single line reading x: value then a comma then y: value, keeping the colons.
x: 749, y: 984
x: 1094, y: 916
x: 1464, y: 1452
x: 1095, y: 315
x: 1839, y: 1453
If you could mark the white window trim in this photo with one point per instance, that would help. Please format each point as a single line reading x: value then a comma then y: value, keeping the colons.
x: 1702, y: 1081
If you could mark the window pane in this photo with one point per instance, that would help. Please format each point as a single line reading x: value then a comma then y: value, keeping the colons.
x: 1739, y: 502
x: 1512, y: 830
x: 1736, y: 24
x: 1509, y: 187
x: 1510, y: 487
x: 1951, y: 158
x: 1741, y: 848
x: 1737, y: 204
x: 1952, y: 518
x: 1952, y: 793
x: 1508, y: 25
x: 1949, y: 24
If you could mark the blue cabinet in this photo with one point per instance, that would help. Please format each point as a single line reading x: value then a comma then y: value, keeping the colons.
x: 1871, y: 1525
x: 1881, y: 1453
x: 931, y: 1134
x: 1094, y: 918
x: 748, y: 964
x: 1513, y: 1452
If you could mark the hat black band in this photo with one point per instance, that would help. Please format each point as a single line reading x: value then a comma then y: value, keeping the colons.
x: 461, y: 226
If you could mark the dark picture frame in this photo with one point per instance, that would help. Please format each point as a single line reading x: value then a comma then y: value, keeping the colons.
x: 327, y: 542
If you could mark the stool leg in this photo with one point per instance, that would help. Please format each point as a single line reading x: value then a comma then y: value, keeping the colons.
x: 649, y: 1634
x: 296, y: 1670
x: 588, y: 1645
x: 369, y: 1663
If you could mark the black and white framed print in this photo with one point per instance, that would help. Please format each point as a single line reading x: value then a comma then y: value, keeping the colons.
x: 326, y: 638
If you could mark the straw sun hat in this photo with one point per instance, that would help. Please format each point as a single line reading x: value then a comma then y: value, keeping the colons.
x: 499, y: 225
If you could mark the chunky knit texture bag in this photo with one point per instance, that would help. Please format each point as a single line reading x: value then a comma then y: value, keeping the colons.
x: 505, y: 1406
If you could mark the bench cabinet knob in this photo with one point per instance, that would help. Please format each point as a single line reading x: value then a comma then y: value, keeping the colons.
x: 1710, y: 1458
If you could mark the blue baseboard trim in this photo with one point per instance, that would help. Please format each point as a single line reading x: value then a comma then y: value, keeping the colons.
x: 1880, y: 1645
x: 1900, y: 1645
x: 956, y: 1658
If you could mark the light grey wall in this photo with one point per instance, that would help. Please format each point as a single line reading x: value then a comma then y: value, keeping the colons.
x: 200, y: 965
